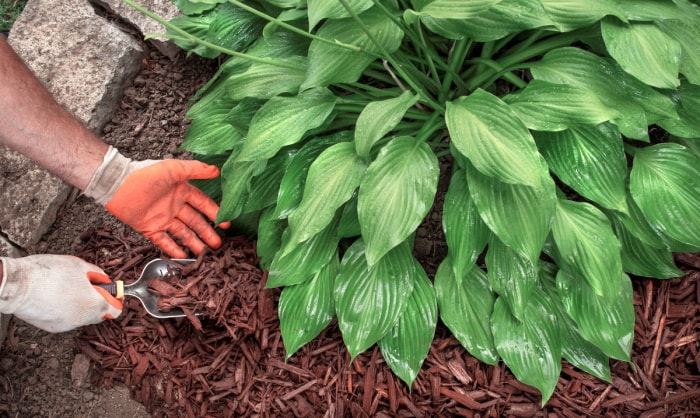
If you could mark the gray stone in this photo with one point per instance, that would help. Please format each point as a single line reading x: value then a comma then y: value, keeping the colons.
x: 83, y: 60
x: 8, y: 248
x: 148, y: 26
x: 80, y: 371
x: 86, y: 63
x: 30, y: 199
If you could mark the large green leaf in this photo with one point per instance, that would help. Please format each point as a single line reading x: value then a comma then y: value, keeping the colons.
x: 324, y: 9
x: 370, y: 300
x: 664, y: 182
x: 607, y: 324
x: 644, y: 50
x: 466, y: 304
x: 264, y: 187
x: 587, y: 244
x: 453, y: 9
x: 297, y: 264
x: 511, y: 275
x: 226, y: 26
x: 575, y: 349
x: 283, y: 121
x: 573, y: 14
x: 687, y: 99
x: 292, y: 186
x: 490, y: 134
x: 211, y: 132
x: 329, y: 64
x: 635, y: 222
x: 590, y: 160
x: 465, y: 233
x: 687, y: 33
x: 638, y: 104
x: 264, y: 80
x: 546, y: 106
x: 520, y: 216
x: 269, y: 237
x: 406, y: 346
x: 331, y: 182
x: 306, y: 309
x: 530, y: 348
x: 236, y: 178
x: 378, y: 118
x: 396, y: 193
x: 501, y: 19
x: 641, y: 259
x: 651, y: 10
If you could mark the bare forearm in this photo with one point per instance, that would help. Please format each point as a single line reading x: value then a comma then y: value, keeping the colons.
x: 34, y: 124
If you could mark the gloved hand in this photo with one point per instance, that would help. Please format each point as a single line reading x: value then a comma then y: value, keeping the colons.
x: 155, y: 199
x: 55, y: 292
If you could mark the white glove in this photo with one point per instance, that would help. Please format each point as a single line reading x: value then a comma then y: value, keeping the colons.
x: 56, y: 292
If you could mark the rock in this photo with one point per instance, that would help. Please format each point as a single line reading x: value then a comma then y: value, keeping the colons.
x: 163, y: 8
x: 53, y: 363
x: 7, y: 248
x: 80, y: 371
x: 31, y: 199
x: 6, y: 364
x: 85, y: 62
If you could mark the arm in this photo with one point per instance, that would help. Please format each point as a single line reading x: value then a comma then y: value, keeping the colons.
x: 34, y: 124
x: 155, y: 198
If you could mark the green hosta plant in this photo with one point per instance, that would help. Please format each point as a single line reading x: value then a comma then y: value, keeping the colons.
x: 568, y: 129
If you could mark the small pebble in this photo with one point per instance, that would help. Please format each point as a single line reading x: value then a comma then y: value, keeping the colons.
x: 53, y: 363
x: 6, y: 364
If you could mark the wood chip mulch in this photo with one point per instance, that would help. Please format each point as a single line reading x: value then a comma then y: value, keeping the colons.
x: 229, y: 361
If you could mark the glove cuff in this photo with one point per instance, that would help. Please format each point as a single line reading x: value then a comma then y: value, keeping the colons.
x: 108, y: 176
x: 13, y: 289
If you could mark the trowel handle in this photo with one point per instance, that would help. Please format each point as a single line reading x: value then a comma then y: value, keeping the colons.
x: 115, y: 288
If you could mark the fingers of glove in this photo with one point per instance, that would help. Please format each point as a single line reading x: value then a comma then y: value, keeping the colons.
x: 163, y: 241
x: 113, y: 302
x: 201, y: 202
x: 98, y: 277
x: 193, y: 221
x: 182, y: 232
x: 184, y: 170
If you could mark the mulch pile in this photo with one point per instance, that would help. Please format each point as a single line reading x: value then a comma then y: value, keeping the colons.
x: 230, y: 361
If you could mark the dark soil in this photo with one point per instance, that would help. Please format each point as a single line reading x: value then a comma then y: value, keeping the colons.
x: 175, y: 368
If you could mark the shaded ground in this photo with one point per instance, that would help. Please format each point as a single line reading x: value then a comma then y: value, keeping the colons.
x: 240, y: 370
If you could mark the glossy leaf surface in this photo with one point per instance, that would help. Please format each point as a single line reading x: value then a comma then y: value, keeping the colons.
x: 331, y: 182
x: 306, y: 309
x: 370, y: 300
x: 406, y: 346
x: 530, y: 348
x: 395, y: 195
x: 498, y: 144
x: 465, y: 304
x: 664, y: 183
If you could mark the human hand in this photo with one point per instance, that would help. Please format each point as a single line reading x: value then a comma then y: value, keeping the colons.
x: 156, y: 199
x: 56, y: 292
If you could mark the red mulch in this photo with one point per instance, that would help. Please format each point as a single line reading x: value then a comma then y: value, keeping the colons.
x: 230, y: 360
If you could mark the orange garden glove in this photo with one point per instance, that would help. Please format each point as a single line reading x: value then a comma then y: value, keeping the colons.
x: 55, y: 292
x: 155, y: 199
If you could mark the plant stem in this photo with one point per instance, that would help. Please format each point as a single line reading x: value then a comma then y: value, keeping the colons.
x: 630, y: 149
x: 210, y: 45
x: 430, y: 126
x: 397, y: 66
x: 455, y: 62
x: 542, y: 47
